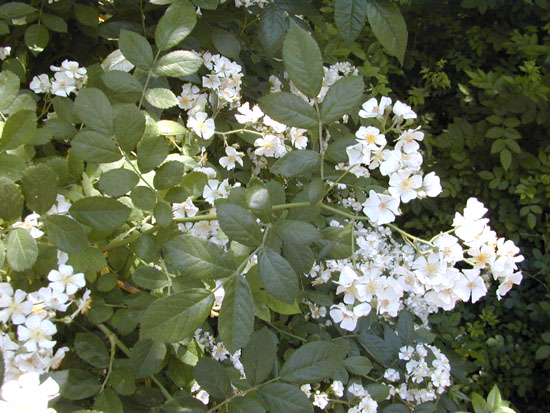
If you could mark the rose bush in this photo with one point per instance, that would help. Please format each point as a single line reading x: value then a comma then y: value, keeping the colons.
x: 200, y: 212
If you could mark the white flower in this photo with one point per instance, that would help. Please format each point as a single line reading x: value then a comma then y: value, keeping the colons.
x: 381, y: 209
x: 371, y: 137
x: 28, y: 395
x: 63, y: 279
x: 358, y: 154
x: 337, y: 388
x: 298, y: 138
x: 63, y: 85
x: 41, y: 84
x: 247, y: 115
x: 352, y: 285
x: 233, y: 156
x: 403, y: 110
x: 184, y: 209
x: 470, y: 284
x: 508, y: 283
x: 17, y: 309
x: 36, y: 333
x: 4, y: 52
x: 431, y: 186
x: 270, y: 146
x: 215, y: 190
x: 348, y: 318
x: 201, y: 125
x: 72, y: 69
x: 219, y: 352
x: 404, y: 185
x: 391, y: 375
x: 320, y: 400
x: 371, y: 108
x: 407, y: 141
x: 30, y: 223
x: 60, y: 207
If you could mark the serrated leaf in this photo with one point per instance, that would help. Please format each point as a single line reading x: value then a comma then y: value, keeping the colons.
x: 92, y: 146
x: 239, y: 224
x: 177, y: 316
x: 226, y: 43
x: 259, y: 200
x: 175, y: 25
x: 54, y: 23
x: 245, y: 405
x: 92, y: 350
x: 136, y: 49
x: 9, y: 88
x: 278, y: 276
x: 39, y: 185
x: 297, y: 232
x: 11, y: 200
x: 149, y: 278
x: 161, y: 98
x: 15, y: 9
x: 147, y: 357
x: 123, y: 381
x: 377, y: 348
x: 66, y: 234
x: 259, y: 355
x: 19, y: 129
x: 313, y: 362
x: 296, y: 163
x: 195, y: 257
x: 282, y: 397
x: 104, y: 214
x: 168, y: 175
x: 289, y: 109
x: 349, y: 16
x: 95, y: 110
x: 300, y: 256
x: 505, y: 159
x: 236, y: 319
x: 303, y: 60
x: 341, y: 97
x: 118, y: 182
x: 80, y: 384
x: 151, y: 151
x: 22, y: 250
x: 405, y: 327
x: 178, y: 63
x: 129, y: 126
x: 108, y: 401
x: 272, y: 29
x: 388, y: 26
x: 358, y: 365
x: 36, y: 38
x: 212, y: 377
x: 124, y: 87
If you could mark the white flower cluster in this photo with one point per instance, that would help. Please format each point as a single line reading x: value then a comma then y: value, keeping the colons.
x: 249, y: 3
x: 224, y: 79
x: 427, y: 374
x: 365, y: 404
x: 321, y: 398
x: 4, y: 52
x: 27, y: 395
x: 68, y: 78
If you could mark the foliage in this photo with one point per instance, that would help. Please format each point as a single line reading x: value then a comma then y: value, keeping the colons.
x: 216, y: 254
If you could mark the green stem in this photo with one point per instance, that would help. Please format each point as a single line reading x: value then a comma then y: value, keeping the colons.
x: 238, y: 131
x: 321, y: 146
x: 285, y: 332
x: 405, y: 234
x: 111, y: 360
x: 112, y: 336
x: 149, y: 73
x: 244, y: 393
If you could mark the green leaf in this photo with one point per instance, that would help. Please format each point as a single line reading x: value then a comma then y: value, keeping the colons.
x: 129, y: 126
x: 245, y: 405
x: 2, y: 260
x: 282, y: 307
x: 259, y: 355
x: 136, y: 49
x: 175, y: 317
x: 178, y: 63
x: 22, y: 250
x: 149, y: 278
x: 123, y: 381
x: 259, y: 200
x: 349, y: 16
x: 405, y: 327
x: 236, y: 320
x: 15, y: 9
x: 104, y: 214
x: 124, y: 87
x: 226, y: 43
x: 212, y: 377
x: 169, y: 127
x: 313, y: 362
x: 282, y: 397
x: 342, y: 96
x: 378, y: 392
x: 195, y: 257
x: 9, y: 88
x: 37, y: 38
x: 377, y: 348
x: 54, y: 23
x: 168, y: 175
x: 151, y: 152
x: 65, y: 233
x: 272, y: 28
x: 505, y: 159
x: 92, y: 350
x: 39, y: 185
x: 303, y: 60
x: 278, y: 276
x: 118, y: 182
x: 80, y: 384
x: 176, y: 24
x: 11, y: 200
x: 239, y: 224
x: 296, y: 163
x: 108, y: 401
x: 88, y: 16
x: 147, y: 357
x: 358, y: 365
x: 388, y: 26
x: 19, y: 129
x: 95, y: 110
x: 289, y: 109
x: 92, y: 146
x: 297, y: 232
x: 300, y: 256
x: 143, y: 197
x: 161, y: 98
x: 542, y: 352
